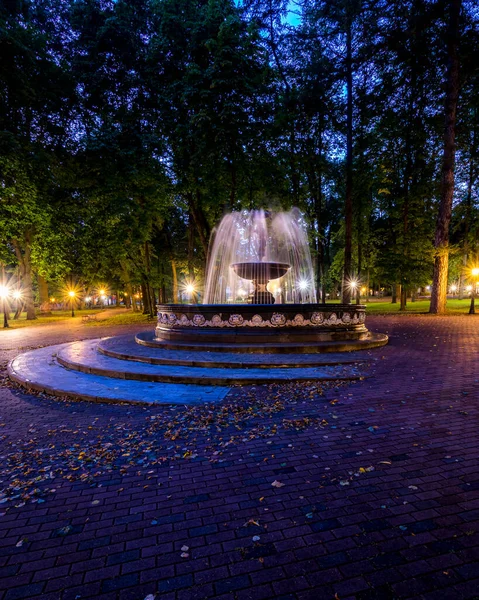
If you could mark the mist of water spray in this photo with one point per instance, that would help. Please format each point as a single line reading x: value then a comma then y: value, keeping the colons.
x: 260, y: 236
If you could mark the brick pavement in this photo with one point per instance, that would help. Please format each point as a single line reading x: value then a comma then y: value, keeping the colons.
x: 376, y: 489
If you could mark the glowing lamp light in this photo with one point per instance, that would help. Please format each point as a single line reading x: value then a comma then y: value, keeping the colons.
x: 453, y: 288
x: 102, y: 292
x: 475, y: 271
x: 428, y: 287
x: 303, y: 285
x: 469, y: 288
x: 52, y: 299
x: 17, y: 295
x: 71, y: 293
x: 3, y: 291
x: 278, y: 291
x: 88, y: 299
x: 190, y: 288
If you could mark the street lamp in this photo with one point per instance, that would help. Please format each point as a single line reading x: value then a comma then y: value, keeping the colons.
x: 71, y: 293
x: 4, y: 296
x: 474, y: 273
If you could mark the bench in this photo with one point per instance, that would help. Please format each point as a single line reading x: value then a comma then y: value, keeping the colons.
x: 86, y: 318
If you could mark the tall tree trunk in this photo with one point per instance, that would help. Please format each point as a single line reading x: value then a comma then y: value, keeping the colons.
x: 201, y: 224
x: 191, y: 248
x: 467, y: 224
x: 145, y: 292
x: 129, y: 288
x: 394, y: 298
x: 175, y: 282
x: 360, y: 254
x: 24, y: 261
x: 403, y: 298
x: 43, y: 290
x: 441, y: 241
x: 348, y: 205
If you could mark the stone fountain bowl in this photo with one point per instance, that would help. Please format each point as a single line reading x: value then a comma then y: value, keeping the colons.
x: 264, y: 328
x: 261, y: 272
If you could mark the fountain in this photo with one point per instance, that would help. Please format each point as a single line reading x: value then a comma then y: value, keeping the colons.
x: 260, y: 295
x: 260, y: 301
x: 252, y: 249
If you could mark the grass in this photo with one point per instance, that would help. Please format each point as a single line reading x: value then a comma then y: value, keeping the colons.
x: 121, y: 318
x: 129, y: 318
x: 453, y: 307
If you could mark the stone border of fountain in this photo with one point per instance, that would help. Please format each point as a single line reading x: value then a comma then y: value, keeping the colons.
x: 261, y: 323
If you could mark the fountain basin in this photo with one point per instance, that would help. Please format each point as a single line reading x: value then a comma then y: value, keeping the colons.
x: 261, y: 272
x: 254, y: 325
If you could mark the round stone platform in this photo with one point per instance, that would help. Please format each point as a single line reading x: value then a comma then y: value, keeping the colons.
x: 119, y: 369
x: 255, y: 325
x: 144, y: 348
x: 278, y: 346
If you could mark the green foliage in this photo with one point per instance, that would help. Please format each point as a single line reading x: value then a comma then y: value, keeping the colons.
x: 127, y: 128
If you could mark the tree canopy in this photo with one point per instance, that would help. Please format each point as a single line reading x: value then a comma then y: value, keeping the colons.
x: 129, y: 127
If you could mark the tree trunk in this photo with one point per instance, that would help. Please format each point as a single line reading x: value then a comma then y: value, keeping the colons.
x: 403, y: 298
x: 348, y: 205
x: 467, y: 224
x: 199, y: 219
x: 441, y: 242
x: 175, y: 282
x: 129, y: 288
x: 43, y: 290
x: 25, y: 265
x: 146, y: 298
x: 360, y: 255
x: 191, y: 248
x: 394, y: 298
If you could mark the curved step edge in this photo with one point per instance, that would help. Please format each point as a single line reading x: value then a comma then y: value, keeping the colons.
x: 374, y: 340
x: 217, y: 379
x: 222, y: 364
x: 42, y: 359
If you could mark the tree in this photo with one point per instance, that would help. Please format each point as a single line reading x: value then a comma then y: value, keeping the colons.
x: 441, y: 241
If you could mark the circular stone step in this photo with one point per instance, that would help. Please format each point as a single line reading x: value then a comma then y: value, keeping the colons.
x: 38, y: 370
x: 371, y: 340
x: 125, y: 347
x: 84, y: 356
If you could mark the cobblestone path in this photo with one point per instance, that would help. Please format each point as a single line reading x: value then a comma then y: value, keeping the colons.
x: 297, y: 491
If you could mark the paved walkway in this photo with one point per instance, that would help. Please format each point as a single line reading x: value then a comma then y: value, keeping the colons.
x: 299, y: 491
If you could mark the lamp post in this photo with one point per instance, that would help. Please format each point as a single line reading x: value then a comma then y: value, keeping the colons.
x: 71, y: 293
x: 474, y: 273
x: 3, y: 296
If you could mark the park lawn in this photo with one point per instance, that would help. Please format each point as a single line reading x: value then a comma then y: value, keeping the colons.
x: 122, y: 318
x: 453, y: 307
x: 57, y: 315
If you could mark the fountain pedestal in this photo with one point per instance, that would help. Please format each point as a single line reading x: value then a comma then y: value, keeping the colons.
x: 261, y: 273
